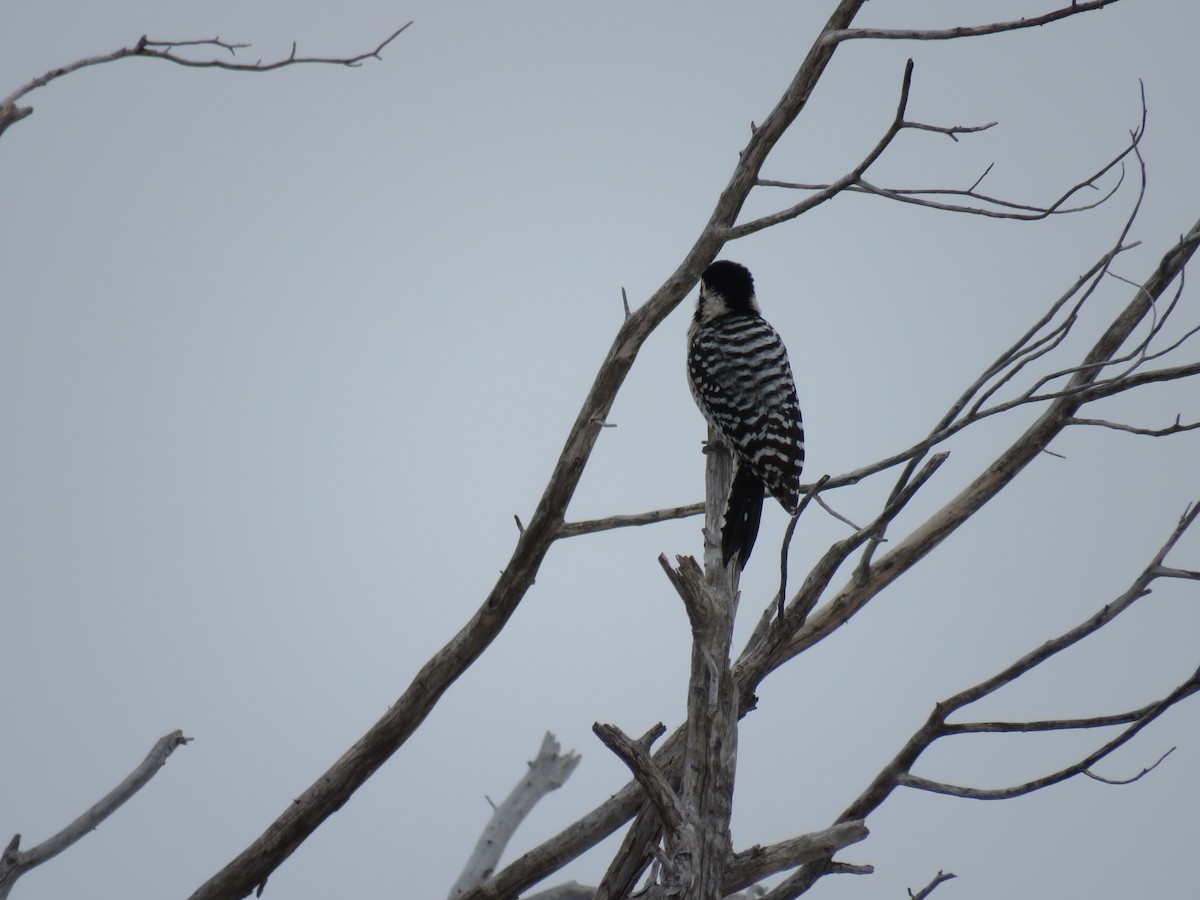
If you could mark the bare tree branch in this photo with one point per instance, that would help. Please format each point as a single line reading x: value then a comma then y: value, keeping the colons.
x: 845, y: 868
x: 752, y: 666
x: 923, y: 539
x: 850, y: 178
x: 921, y: 34
x: 951, y: 424
x: 898, y: 771
x: 1128, y: 382
x: 825, y: 480
x: 991, y: 206
x: 635, y: 755
x: 1186, y: 689
x: 1047, y: 724
x: 572, y: 890
x: 809, y: 874
x: 164, y: 50
x: 939, y: 878
x: 1151, y: 432
x: 1168, y: 572
x: 1005, y: 210
x: 591, y: 526
x: 812, y: 492
x: 15, y: 862
x: 145, y: 48
x: 548, y: 771
x: 916, y: 196
x: 758, y: 862
x: 636, y: 851
x: 1122, y: 781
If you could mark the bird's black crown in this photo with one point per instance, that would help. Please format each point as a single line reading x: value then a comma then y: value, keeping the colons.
x: 732, y: 281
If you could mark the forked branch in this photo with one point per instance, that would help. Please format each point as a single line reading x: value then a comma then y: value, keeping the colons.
x: 636, y: 755
x: 846, y: 181
x: 980, y: 204
x: 899, y: 771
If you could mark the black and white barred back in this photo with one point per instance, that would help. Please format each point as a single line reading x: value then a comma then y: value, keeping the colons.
x: 742, y: 381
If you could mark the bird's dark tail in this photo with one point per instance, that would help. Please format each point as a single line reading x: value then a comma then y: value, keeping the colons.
x: 742, y: 516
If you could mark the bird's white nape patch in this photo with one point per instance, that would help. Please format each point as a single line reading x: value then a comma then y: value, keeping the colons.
x: 711, y: 304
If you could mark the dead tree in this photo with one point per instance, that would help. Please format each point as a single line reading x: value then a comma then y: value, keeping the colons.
x: 680, y: 799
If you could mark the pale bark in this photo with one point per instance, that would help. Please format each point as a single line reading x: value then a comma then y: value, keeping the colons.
x: 15, y: 862
x: 548, y: 771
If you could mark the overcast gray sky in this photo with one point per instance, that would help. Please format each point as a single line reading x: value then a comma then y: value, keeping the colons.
x: 283, y: 354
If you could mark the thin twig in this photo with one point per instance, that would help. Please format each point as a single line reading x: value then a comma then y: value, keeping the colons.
x: 1150, y: 432
x: 938, y: 879
x: 1137, y: 777
x: 802, y: 603
x: 951, y: 131
x: 787, y: 541
x: 916, y: 195
x: 164, y: 50
x: 833, y: 512
x: 962, y: 31
x: 146, y: 48
x: 1046, y: 724
x: 591, y: 526
x: 1008, y: 209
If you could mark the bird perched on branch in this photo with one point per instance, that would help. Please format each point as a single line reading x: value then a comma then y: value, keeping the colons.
x: 739, y: 373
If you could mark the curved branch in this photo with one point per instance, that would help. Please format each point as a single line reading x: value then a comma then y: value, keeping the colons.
x: 962, y: 31
x: 1138, y: 777
x: 1046, y: 724
x: 1176, y: 428
x: 10, y: 113
x: 938, y: 879
x: 15, y: 862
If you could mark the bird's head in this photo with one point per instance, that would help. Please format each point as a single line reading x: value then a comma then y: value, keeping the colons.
x: 725, y: 287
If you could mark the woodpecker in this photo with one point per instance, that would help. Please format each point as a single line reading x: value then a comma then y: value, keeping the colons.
x: 742, y: 381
